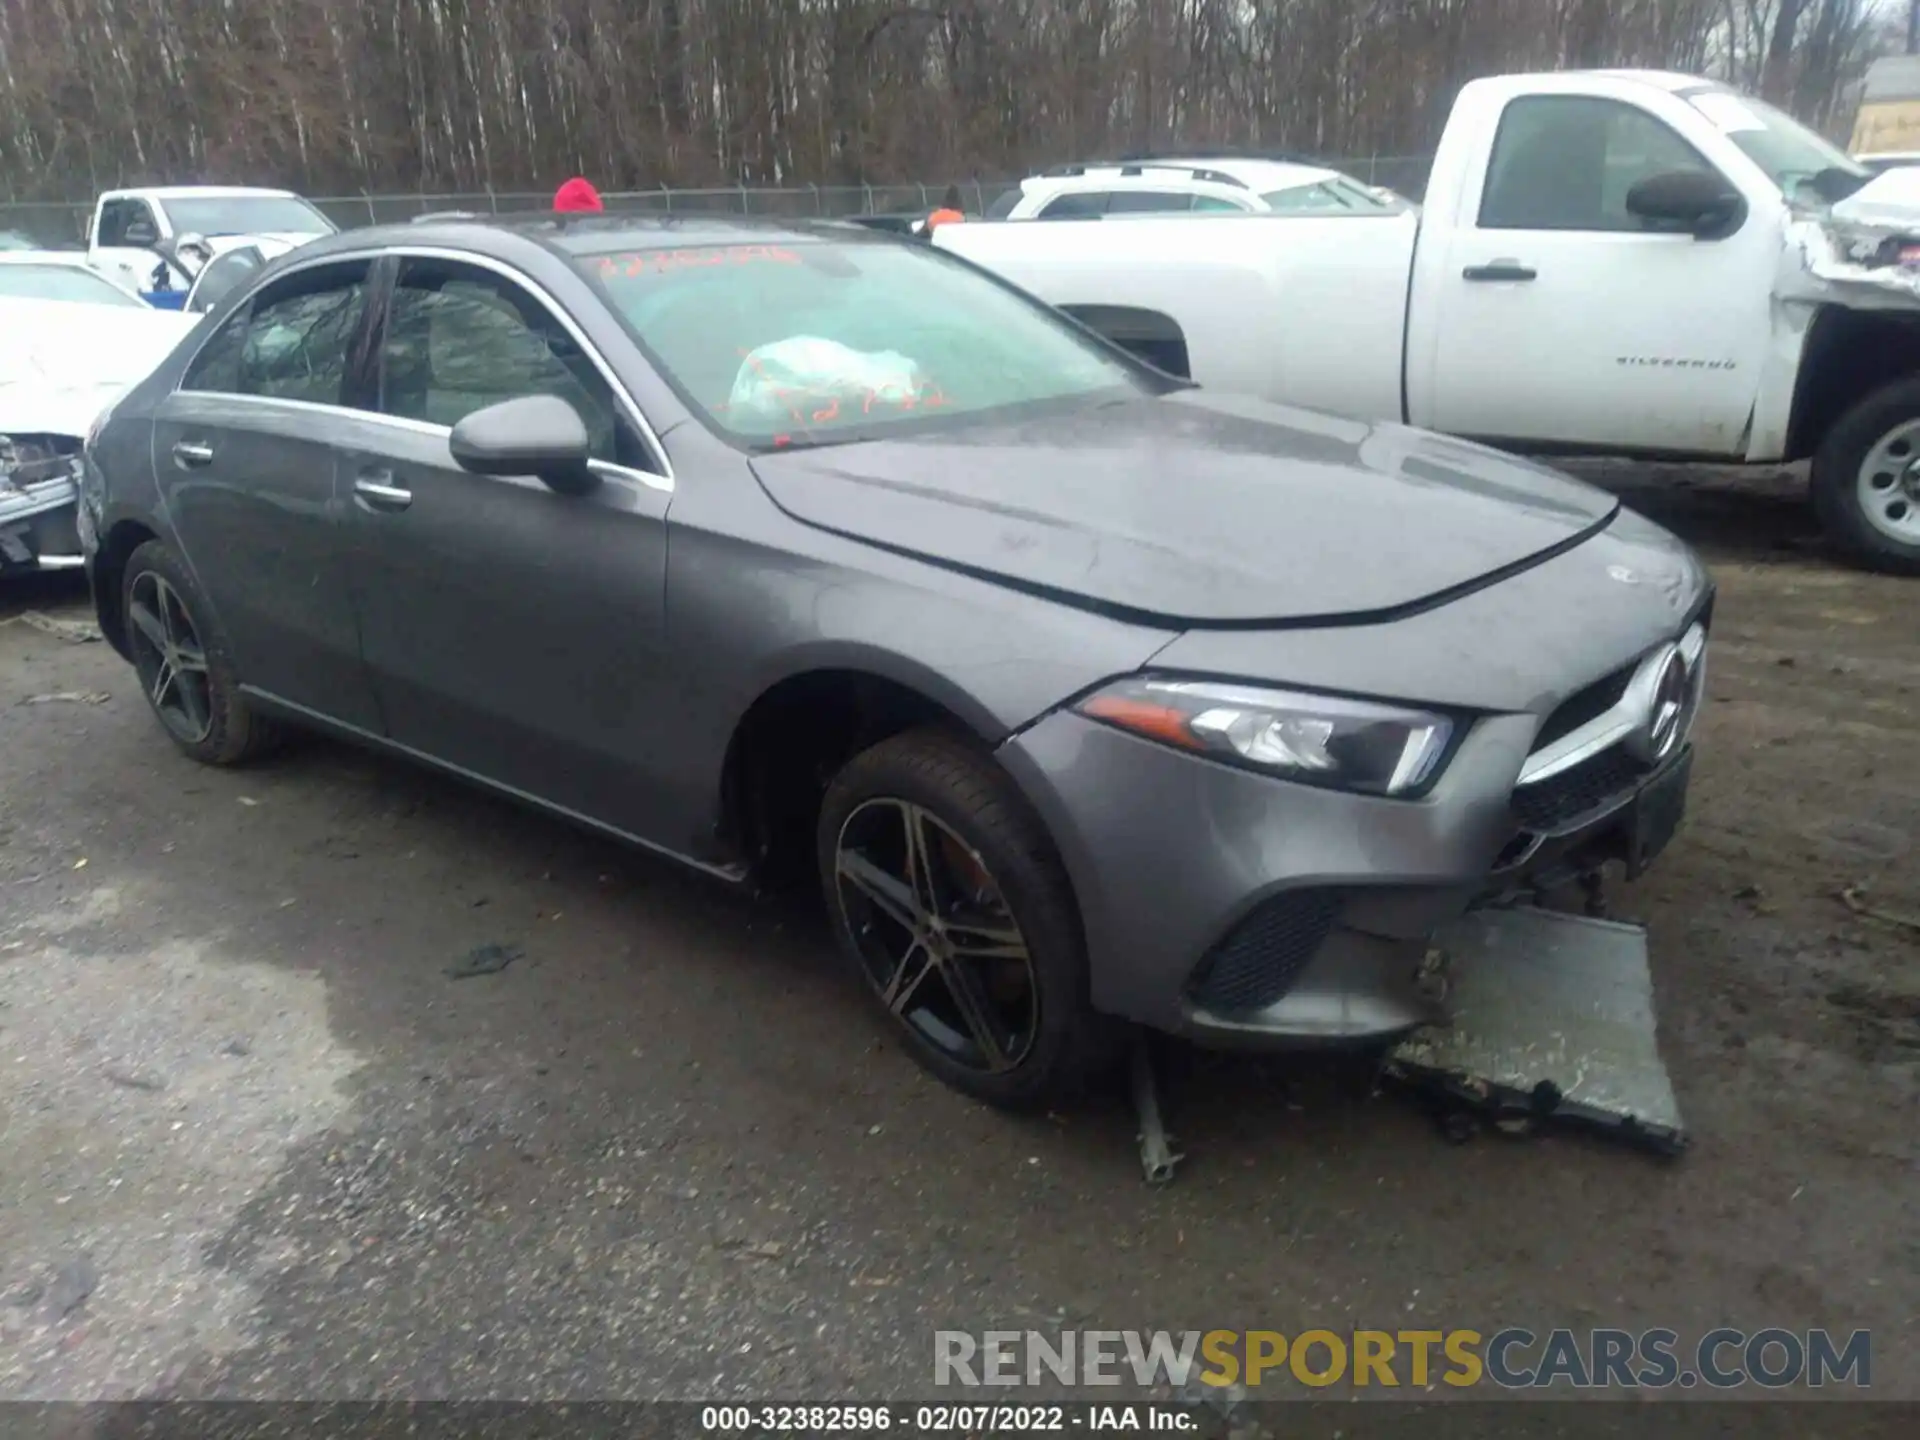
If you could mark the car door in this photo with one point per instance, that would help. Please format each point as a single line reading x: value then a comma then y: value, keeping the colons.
x: 1557, y: 316
x: 222, y: 276
x: 245, y: 451
x: 511, y: 632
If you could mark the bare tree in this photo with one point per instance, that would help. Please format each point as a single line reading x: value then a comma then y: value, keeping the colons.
x: 446, y: 95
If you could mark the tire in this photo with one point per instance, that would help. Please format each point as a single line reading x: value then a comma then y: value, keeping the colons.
x: 1842, y: 486
x: 233, y: 732
x: 978, y: 821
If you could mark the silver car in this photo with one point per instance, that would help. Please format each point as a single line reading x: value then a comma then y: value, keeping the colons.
x: 1089, y: 699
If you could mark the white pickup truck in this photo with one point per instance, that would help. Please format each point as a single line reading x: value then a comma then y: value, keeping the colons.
x: 135, y: 233
x: 1611, y: 262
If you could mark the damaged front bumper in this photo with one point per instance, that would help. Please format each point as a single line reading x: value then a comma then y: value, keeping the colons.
x: 1864, y: 253
x: 39, y: 502
x: 1550, y: 1018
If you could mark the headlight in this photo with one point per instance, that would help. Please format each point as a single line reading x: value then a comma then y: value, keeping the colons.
x: 1317, y: 739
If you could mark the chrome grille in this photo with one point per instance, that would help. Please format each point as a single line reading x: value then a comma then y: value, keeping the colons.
x: 1604, y: 740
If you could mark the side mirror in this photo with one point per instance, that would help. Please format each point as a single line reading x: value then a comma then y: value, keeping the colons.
x: 1697, y: 201
x: 534, y: 435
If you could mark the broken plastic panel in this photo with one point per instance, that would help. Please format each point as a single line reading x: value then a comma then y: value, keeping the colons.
x: 1552, y: 1019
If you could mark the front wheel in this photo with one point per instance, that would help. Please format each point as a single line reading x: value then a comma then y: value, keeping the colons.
x: 1866, y: 480
x: 946, y: 893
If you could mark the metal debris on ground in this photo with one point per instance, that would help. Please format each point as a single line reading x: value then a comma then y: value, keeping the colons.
x: 1854, y: 897
x: 1552, y: 1019
x: 484, y: 960
x: 1157, y: 1156
x: 78, y: 631
x: 69, y: 697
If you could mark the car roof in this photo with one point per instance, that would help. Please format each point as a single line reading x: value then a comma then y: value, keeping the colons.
x: 197, y: 192
x: 1258, y: 176
x: 1660, y: 79
x: 590, y: 233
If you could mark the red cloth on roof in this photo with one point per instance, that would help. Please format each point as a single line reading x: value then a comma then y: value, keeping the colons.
x: 577, y: 195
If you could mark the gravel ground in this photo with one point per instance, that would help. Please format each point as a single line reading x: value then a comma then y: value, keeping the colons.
x: 255, y: 1140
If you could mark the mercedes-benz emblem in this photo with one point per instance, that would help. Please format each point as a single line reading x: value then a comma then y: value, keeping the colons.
x: 1668, y: 707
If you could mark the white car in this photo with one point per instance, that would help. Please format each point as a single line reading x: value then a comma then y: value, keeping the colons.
x: 71, y: 341
x: 1161, y: 186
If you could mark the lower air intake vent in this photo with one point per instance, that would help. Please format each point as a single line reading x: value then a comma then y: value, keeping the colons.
x: 1264, y: 954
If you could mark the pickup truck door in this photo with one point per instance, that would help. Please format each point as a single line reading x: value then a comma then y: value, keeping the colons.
x: 124, y: 230
x: 1546, y: 313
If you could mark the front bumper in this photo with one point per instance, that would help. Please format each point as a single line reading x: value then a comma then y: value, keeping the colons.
x: 1236, y: 909
x: 39, y: 503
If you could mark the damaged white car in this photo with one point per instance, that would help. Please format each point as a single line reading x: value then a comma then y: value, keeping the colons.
x: 1604, y: 262
x: 70, y: 342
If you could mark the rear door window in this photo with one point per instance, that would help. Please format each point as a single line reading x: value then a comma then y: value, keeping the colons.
x: 1148, y: 202
x: 1075, y: 203
x: 303, y: 335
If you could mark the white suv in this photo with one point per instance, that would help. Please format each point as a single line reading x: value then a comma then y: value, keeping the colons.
x: 1158, y: 186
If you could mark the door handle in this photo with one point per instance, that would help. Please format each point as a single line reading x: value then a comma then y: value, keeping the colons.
x: 1499, y: 270
x: 375, y: 494
x: 191, y: 454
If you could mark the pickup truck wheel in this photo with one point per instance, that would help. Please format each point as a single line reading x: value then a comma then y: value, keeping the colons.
x: 1866, y: 479
x: 185, y: 667
x: 945, y: 892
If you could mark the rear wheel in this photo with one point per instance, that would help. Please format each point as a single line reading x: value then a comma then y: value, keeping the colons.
x: 1866, y: 479
x: 184, y: 664
x: 946, y: 894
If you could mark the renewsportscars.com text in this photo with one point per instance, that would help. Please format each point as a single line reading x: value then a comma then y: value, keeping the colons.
x: 1512, y: 1359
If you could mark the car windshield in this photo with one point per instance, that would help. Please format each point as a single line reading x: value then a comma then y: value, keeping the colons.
x: 245, y: 215
x: 62, y: 282
x: 825, y: 341
x: 1791, y: 155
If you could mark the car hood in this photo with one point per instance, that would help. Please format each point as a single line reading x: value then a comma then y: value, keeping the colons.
x: 1198, y: 509
x: 62, y: 363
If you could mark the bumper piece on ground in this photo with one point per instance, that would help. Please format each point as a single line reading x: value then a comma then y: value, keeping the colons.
x: 1552, y: 1019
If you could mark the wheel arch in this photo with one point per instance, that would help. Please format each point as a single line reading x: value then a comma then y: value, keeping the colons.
x: 1847, y: 356
x: 803, y: 725
x: 117, y: 545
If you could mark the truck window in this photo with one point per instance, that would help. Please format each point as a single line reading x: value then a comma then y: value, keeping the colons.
x: 1079, y: 202
x: 1213, y: 204
x: 1566, y: 162
x: 119, y: 216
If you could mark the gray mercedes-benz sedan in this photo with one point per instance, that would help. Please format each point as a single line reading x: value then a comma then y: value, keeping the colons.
x: 1090, y: 698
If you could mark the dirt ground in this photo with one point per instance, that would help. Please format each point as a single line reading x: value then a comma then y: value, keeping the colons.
x: 256, y: 1141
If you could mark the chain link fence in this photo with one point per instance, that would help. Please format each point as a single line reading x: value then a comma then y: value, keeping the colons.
x: 62, y: 225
